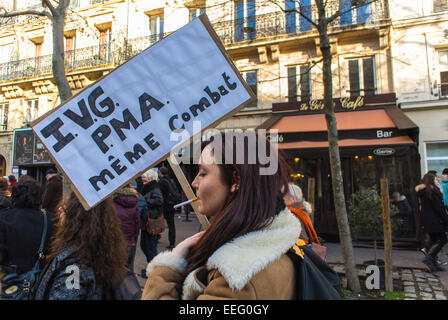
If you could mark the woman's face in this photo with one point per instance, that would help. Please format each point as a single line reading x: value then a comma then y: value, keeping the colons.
x: 145, y: 179
x: 211, y: 191
x: 289, y: 200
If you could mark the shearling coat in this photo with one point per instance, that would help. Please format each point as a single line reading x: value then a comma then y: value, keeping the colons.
x: 253, y: 266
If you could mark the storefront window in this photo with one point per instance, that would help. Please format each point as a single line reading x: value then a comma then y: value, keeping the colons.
x: 367, y: 171
x: 437, y: 156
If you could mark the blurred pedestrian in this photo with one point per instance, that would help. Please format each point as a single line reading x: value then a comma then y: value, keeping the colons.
x: 243, y: 253
x: 154, y: 208
x: 434, y: 219
x: 169, y: 193
x: 88, y: 244
x: 12, y: 181
x: 445, y: 187
x: 5, y: 195
x: 125, y: 202
x: 302, y: 210
x: 53, y: 191
x: 21, y: 228
x: 24, y: 177
x: 404, y: 216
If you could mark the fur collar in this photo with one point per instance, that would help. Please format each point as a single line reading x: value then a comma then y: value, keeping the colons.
x: 126, y: 191
x: 242, y: 258
x: 420, y: 187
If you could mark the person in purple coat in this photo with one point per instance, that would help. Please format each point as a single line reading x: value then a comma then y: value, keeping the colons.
x: 125, y: 202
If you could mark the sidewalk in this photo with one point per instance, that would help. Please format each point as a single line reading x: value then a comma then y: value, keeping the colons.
x: 409, y: 270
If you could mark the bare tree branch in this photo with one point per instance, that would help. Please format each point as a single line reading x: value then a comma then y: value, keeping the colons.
x: 43, y: 13
x: 339, y: 13
x: 300, y: 12
x: 48, y: 4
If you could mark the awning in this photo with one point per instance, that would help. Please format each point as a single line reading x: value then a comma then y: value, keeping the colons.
x: 346, y: 143
x: 370, y: 119
x: 355, y: 128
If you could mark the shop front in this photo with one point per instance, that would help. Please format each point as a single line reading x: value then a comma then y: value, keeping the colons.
x: 30, y: 155
x: 376, y: 140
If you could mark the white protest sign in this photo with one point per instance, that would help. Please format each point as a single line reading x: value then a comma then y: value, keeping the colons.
x: 116, y: 128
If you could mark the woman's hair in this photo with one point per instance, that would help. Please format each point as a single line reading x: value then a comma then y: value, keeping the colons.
x: 26, y: 194
x: 429, y: 180
x: 150, y: 174
x: 3, y: 186
x: 295, y: 192
x: 252, y: 207
x: 94, y: 237
x: 24, y: 177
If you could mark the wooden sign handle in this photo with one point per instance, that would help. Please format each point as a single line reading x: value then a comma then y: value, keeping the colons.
x: 187, y: 189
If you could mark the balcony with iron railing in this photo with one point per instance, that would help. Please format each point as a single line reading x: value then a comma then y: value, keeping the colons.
x: 230, y: 32
x: 99, y: 55
x: 290, y: 22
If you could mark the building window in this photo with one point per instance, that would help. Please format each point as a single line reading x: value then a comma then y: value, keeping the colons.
x: 299, y: 83
x: 436, y: 156
x: 156, y: 27
x: 195, y: 12
x: 291, y: 14
x: 4, y: 116
x: 353, y: 13
x: 69, y: 47
x: 362, y: 76
x: 245, y: 20
x: 440, y: 5
x: 104, y: 45
x: 31, y: 111
x: 443, y: 68
x: 251, y: 80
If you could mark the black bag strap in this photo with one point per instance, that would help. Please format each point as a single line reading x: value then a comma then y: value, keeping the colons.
x: 44, y: 235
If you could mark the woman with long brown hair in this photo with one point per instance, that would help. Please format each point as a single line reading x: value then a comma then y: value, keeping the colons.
x: 87, y: 255
x: 242, y: 255
x: 434, y: 219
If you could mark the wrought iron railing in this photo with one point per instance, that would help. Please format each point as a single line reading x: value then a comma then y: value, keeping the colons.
x: 75, y: 59
x: 230, y: 32
x: 290, y: 22
x: 98, y: 1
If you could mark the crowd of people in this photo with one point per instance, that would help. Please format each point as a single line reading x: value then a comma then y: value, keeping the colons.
x: 255, y: 220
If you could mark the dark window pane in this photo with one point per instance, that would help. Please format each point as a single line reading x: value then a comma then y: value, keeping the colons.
x: 444, y: 83
x: 290, y: 13
x: 346, y: 17
x: 239, y: 22
x: 353, y: 66
x: 369, y: 76
x: 363, y: 14
x: 292, y: 84
x: 305, y: 83
x: 251, y: 79
x: 305, y: 6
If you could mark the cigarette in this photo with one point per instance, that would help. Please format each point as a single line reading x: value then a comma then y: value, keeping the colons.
x: 184, y: 203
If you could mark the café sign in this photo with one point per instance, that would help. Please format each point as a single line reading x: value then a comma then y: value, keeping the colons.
x: 384, y: 152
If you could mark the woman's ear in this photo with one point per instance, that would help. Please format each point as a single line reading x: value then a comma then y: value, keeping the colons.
x: 236, y: 182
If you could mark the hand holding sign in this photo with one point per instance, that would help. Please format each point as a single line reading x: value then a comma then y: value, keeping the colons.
x: 120, y: 126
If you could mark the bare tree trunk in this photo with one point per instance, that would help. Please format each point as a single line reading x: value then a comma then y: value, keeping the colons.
x: 335, y: 161
x: 58, y: 64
